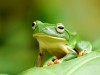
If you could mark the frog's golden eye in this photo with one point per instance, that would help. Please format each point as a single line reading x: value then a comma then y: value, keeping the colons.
x: 33, y: 25
x: 60, y: 28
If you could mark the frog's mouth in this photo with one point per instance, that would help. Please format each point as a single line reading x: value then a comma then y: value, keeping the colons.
x: 43, y: 36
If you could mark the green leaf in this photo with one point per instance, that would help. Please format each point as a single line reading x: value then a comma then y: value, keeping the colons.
x: 85, y: 65
x: 37, y: 71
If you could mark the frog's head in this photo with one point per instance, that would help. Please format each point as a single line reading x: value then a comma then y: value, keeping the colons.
x: 49, y: 31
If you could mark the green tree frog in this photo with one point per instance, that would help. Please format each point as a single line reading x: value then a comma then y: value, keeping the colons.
x: 58, y: 41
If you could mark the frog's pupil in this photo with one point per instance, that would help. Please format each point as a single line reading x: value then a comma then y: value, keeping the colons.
x: 61, y: 27
x: 33, y: 24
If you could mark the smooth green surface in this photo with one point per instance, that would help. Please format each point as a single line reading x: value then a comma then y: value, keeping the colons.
x: 86, y: 65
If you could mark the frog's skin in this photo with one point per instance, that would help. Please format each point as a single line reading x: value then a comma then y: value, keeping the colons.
x: 58, y: 41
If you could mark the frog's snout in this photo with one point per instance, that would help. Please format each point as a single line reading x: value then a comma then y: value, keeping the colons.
x: 47, y: 30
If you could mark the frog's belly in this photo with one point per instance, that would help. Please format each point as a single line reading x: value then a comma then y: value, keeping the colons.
x: 57, y: 52
x: 56, y: 47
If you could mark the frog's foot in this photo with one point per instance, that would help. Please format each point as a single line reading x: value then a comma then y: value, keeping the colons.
x: 49, y: 64
x: 83, y: 47
x: 56, y: 61
x: 53, y: 61
x: 82, y: 53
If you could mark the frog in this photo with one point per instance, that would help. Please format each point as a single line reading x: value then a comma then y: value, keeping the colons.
x: 60, y: 42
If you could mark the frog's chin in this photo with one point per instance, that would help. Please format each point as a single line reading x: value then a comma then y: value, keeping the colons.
x: 43, y: 36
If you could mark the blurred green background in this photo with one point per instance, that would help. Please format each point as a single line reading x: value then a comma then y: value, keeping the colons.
x: 18, y: 49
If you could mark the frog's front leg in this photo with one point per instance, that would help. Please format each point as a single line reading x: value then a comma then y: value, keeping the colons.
x: 83, y: 47
x: 40, y: 57
x: 56, y: 60
x: 70, y: 55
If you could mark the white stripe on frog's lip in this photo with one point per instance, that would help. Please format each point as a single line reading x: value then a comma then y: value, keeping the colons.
x: 44, y: 35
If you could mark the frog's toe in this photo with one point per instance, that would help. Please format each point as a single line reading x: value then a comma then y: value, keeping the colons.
x: 48, y: 64
x: 53, y: 61
x: 82, y: 53
x: 57, y: 61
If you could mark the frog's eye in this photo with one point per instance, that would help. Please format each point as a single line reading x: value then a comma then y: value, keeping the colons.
x: 33, y: 25
x: 60, y: 28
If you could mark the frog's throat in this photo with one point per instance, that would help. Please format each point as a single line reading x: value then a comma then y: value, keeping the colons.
x: 54, y: 45
x: 42, y: 35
